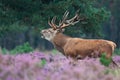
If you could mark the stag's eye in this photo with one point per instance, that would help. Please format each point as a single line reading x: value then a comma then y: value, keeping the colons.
x: 48, y: 32
x: 44, y: 31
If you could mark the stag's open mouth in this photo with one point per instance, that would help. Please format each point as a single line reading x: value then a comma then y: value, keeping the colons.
x: 42, y: 36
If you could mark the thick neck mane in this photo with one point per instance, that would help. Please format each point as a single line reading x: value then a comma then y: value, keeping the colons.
x: 60, y: 40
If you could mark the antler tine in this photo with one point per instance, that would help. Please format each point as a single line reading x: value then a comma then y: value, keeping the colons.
x: 74, y: 20
x: 64, y: 22
x: 71, y: 21
x: 53, y: 22
x: 50, y: 23
x: 64, y: 18
x: 76, y: 17
x: 65, y: 15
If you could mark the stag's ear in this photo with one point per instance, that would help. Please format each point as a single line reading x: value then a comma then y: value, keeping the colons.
x: 63, y: 30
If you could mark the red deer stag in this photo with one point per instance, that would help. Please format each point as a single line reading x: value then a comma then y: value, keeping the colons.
x: 75, y: 47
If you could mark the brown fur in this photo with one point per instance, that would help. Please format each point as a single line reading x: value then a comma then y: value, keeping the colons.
x: 78, y: 47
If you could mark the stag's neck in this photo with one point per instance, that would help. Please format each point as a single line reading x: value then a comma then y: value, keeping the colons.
x: 60, y: 40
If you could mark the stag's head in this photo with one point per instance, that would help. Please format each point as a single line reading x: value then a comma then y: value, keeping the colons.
x: 50, y: 33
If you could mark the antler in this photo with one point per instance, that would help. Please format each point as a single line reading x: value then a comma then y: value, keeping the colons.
x: 71, y: 21
x: 52, y: 23
x: 64, y: 23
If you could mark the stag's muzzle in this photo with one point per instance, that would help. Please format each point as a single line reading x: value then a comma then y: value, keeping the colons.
x: 42, y: 36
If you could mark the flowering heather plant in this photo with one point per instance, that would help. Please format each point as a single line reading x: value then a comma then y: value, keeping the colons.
x: 41, y: 66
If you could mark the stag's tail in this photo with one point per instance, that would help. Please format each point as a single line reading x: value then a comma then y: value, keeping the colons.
x: 112, y: 44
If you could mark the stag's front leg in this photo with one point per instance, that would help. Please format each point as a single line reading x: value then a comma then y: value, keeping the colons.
x: 73, y: 59
x: 71, y: 55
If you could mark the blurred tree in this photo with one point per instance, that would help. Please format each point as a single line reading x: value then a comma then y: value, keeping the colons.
x: 111, y: 28
x: 31, y: 16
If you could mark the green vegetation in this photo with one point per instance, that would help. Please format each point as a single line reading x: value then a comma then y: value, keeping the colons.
x: 105, y: 61
x: 54, y: 51
x: 21, y: 20
x: 43, y: 62
x: 114, y: 72
x: 25, y: 48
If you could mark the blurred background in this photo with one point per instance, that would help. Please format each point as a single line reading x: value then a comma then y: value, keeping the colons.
x: 22, y: 20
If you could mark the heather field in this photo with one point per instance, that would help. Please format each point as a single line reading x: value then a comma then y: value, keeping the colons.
x: 48, y: 66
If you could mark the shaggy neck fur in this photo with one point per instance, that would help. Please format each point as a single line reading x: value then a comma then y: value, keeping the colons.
x: 60, y: 40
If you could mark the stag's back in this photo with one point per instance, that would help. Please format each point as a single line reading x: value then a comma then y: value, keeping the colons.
x: 85, y: 47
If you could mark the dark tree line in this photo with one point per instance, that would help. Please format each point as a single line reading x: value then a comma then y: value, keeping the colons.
x: 111, y: 28
x: 22, y: 20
